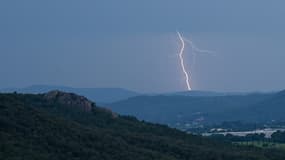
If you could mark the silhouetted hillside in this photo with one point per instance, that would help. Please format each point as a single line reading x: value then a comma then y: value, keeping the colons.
x: 60, y: 125
x: 173, y: 109
x: 272, y: 109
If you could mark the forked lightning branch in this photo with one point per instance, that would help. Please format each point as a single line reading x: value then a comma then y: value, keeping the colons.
x: 194, y: 50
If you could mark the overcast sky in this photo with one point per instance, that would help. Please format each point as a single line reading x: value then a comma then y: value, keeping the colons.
x: 133, y: 44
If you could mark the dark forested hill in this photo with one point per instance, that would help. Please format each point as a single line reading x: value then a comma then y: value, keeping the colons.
x: 61, y: 125
x: 173, y: 109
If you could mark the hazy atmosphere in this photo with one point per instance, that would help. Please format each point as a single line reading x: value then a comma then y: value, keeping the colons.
x: 133, y: 44
x: 142, y: 80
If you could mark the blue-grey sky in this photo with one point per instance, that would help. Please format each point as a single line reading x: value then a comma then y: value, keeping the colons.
x: 133, y: 44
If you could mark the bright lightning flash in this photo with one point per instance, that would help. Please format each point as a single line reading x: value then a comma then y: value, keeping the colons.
x: 182, y: 62
x: 195, y: 50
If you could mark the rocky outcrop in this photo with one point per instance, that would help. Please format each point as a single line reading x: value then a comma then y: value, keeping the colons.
x: 69, y: 99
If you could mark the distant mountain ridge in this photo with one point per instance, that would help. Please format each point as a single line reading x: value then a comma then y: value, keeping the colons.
x: 204, y: 107
x: 100, y: 95
x: 185, y: 107
x: 197, y: 93
x: 272, y: 108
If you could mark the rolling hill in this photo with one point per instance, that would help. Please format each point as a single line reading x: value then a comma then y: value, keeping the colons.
x: 172, y: 109
x: 271, y: 109
x: 59, y: 125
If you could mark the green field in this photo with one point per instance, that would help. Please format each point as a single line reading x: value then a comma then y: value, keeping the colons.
x: 261, y: 144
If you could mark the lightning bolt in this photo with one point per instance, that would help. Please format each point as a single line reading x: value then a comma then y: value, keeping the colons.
x: 187, y: 80
x: 195, y: 50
